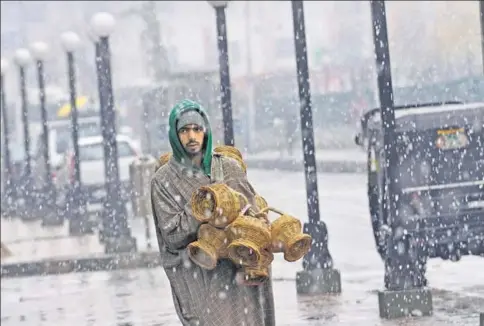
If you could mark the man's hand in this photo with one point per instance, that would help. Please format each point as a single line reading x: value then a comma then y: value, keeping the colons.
x: 264, y: 217
x: 241, y: 279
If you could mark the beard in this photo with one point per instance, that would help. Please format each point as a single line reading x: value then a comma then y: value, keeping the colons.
x: 193, y: 151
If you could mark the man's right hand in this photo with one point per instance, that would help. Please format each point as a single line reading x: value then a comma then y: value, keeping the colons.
x: 242, y: 280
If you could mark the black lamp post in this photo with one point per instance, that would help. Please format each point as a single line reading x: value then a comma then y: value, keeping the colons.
x: 223, y: 59
x: 481, y: 14
x: 22, y: 59
x: 385, y: 92
x: 78, y: 218
x: 102, y: 102
x: 117, y: 235
x: 318, y: 275
x: 404, y: 279
x: 8, y: 198
x: 105, y: 221
x: 47, y: 199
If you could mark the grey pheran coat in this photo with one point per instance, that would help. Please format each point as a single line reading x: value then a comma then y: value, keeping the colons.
x: 203, y: 297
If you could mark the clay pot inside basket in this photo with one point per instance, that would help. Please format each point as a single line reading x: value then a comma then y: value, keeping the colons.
x: 287, y: 237
x: 210, y: 246
x: 256, y: 275
x: 248, y: 237
x: 217, y: 204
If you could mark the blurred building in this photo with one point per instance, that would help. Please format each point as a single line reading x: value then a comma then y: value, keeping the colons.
x: 261, y: 44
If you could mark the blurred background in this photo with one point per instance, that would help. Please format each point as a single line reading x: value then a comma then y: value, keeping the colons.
x: 169, y: 47
x: 161, y: 52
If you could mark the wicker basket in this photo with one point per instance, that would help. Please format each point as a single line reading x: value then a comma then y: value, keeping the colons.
x: 210, y: 246
x: 261, y: 202
x: 287, y: 237
x: 217, y: 204
x: 164, y: 158
x: 232, y: 152
x: 248, y: 237
x: 254, y: 276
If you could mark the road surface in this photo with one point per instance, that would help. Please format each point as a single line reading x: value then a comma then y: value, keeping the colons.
x: 142, y: 297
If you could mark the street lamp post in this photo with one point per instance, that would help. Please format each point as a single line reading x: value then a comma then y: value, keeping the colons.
x: 223, y: 59
x: 102, y: 99
x: 404, y: 279
x: 481, y: 14
x: 116, y: 232
x: 250, y: 121
x: 318, y: 275
x: 22, y: 59
x: 47, y: 196
x: 102, y: 105
x: 8, y: 204
x: 78, y: 222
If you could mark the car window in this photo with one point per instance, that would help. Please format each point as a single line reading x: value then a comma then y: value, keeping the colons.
x: 63, y: 141
x: 64, y: 134
x: 125, y: 149
x: 94, y: 152
x: 62, y: 137
x: 17, y: 152
x: 89, y: 129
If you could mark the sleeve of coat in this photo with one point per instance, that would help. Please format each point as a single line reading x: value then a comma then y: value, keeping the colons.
x: 177, y: 225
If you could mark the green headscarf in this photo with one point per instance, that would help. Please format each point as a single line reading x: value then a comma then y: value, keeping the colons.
x: 179, y: 152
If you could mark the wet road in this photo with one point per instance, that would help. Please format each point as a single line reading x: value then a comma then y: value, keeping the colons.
x: 142, y: 297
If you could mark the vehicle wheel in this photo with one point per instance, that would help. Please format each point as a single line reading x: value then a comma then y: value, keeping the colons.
x: 52, y: 219
x: 80, y: 228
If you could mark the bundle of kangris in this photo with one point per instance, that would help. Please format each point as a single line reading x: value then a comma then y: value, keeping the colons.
x: 231, y: 230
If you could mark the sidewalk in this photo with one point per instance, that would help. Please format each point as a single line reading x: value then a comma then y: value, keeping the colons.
x: 328, y: 160
x: 40, y: 251
x: 44, y: 251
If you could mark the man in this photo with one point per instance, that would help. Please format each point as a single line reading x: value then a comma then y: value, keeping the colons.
x: 290, y: 127
x: 201, y: 297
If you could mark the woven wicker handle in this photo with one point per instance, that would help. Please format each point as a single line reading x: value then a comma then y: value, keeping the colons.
x: 267, y: 209
x: 251, y: 212
x: 248, y: 209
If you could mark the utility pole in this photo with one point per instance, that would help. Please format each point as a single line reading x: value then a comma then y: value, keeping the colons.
x: 481, y: 15
x: 157, y: 54
x: 158, y: 58
x: 250, y: 80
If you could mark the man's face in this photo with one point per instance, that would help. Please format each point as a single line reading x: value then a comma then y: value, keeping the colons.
x: 191, y: 138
